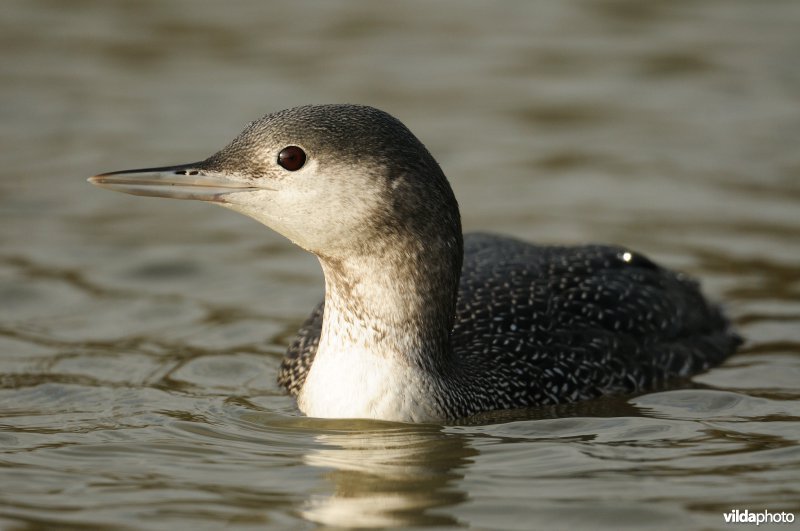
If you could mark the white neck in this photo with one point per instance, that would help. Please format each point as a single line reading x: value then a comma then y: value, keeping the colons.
x: 384, y: 346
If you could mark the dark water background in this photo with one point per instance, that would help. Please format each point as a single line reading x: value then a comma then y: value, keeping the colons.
x: 139, y: 339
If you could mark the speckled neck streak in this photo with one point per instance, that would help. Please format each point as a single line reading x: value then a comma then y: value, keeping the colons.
x: 384, y: 348
x: 385, y: 302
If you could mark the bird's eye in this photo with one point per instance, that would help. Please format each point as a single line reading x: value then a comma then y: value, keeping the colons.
x: 292, y: 158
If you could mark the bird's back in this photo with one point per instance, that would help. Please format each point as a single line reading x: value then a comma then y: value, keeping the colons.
x: 540, y: 325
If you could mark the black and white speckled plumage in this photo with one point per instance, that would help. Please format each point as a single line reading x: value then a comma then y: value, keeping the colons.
x: 418, y: 323
x: 539, y: 325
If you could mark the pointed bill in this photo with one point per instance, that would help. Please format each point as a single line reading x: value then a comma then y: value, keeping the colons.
x: 185, y: 181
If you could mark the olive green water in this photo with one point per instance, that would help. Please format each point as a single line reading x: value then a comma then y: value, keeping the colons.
x: 140, y: 338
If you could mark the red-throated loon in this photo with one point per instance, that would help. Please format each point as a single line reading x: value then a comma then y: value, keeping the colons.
x: 419, y: 323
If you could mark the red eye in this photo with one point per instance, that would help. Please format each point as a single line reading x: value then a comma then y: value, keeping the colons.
x: 292, y: 158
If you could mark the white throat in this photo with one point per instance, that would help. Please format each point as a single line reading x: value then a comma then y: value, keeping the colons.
x: 365, y: 362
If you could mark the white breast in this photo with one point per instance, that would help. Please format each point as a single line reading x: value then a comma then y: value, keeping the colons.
x: 350, y: 382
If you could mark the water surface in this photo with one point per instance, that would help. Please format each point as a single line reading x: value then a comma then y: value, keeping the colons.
x: 140, y: 339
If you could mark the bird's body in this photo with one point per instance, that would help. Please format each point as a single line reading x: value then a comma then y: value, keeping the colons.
x: 545, y: 325
x: 419, y: 324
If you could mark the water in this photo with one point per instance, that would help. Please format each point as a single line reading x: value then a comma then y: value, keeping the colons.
x: 139, y: 339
